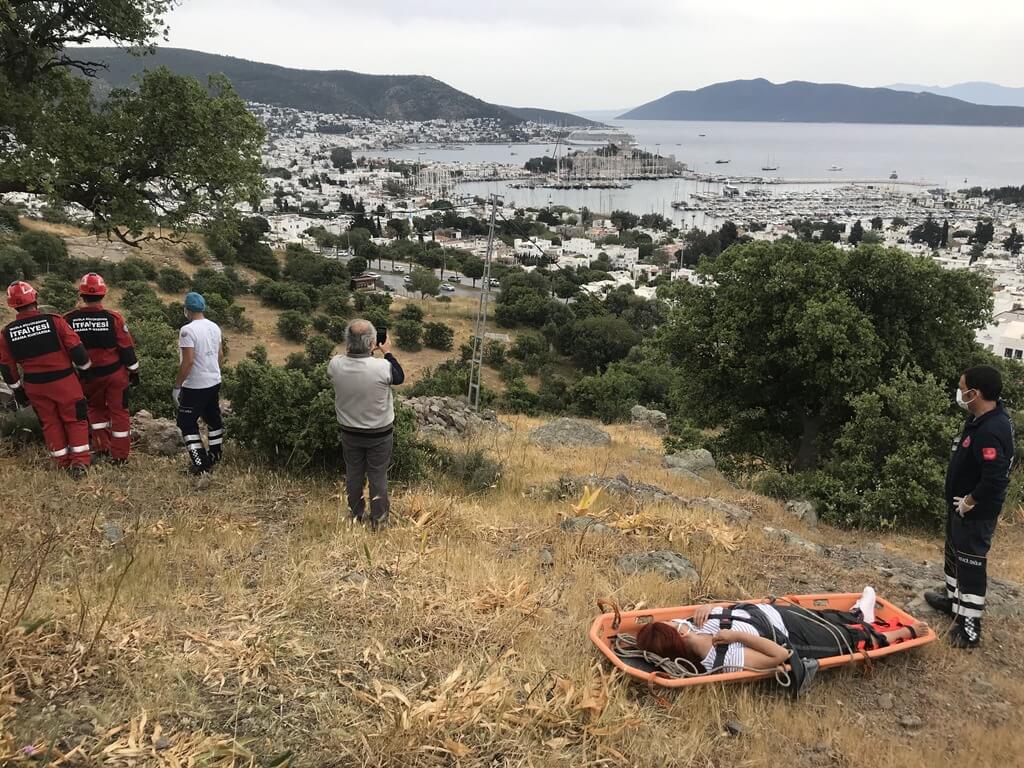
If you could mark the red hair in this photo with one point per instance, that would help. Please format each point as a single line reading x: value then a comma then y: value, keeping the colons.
x: 664, y: 640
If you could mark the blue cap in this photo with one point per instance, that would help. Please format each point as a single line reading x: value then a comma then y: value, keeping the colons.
x: 194, y: 302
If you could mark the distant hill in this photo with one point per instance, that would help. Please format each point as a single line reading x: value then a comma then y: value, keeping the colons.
x: 394, y: 97
x: 974, y: 92
x: 550, y: 116
x: 801, y: 102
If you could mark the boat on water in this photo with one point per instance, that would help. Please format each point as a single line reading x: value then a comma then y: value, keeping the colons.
x: 835, y: 168
x: 721, y: 162
x: 595, y: 138
x: 770, y: 165
x: 702, y: 134
x: 894, y: 175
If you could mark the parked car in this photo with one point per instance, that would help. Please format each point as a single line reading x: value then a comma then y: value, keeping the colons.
x: 374, y: 275
x: 495, y: 282
x: 399, y: 269
x: 447, y: 287
x: 455, y: 279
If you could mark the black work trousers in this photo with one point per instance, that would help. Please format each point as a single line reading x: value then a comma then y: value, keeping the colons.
x: 966, y: 563
x: 367, y: 458
x: 195, y: 404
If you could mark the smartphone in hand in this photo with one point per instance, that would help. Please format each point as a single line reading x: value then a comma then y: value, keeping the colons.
x: 382, y: 336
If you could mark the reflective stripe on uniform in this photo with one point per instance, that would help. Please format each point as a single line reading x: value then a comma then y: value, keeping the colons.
x: 216, y: 440
x: 191, y: 438
x: 215, y: 432
x: 60, y: 453
x: 120, y: 434
x: 79, y: 448
x: 974, y: 601
x: 969, y: 613
x: 100, y: 425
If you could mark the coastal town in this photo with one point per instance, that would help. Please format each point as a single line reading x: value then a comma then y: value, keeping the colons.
x: 324, y: 170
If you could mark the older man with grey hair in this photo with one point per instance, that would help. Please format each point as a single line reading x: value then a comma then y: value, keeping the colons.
x: 366, y: 412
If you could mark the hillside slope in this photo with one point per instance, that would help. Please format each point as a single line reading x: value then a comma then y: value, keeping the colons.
x: 254, y: 621
x: 392, y: 97
x: 761, y: 100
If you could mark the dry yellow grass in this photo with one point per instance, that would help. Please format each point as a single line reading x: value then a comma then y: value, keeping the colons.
x: 255, y: 624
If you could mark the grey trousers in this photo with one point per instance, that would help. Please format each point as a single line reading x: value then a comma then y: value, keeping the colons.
x: 367, y: 457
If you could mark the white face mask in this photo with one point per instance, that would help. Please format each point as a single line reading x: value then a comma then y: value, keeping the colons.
x: 187, y: 315
x: 960, y: 400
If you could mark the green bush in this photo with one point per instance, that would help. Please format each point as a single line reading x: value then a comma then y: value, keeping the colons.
x: 156, y: 345
x: 449, y: 379
x: 470, y: 467
x: 206, y: 281
x: 682, y: 435
x: 59, y: 293
x: 48, y: 251
x: 335, y: 300
x: 553, y: 395
x: 321, y: 323
x: 319, y: 349
x: 438, y: 336
x: 494, y: 353
x: 303, y: 434
x: 411, y: 312
x: 172, y: 280
x: 336, y: 329
x: 195, y: 255
x: 888, y: 464
x: 293, y: 325
x: 15, y: 264
x: 227, y: 314
x: 608, y: 397
x: 408, y: 335
x: 518, y: 398
x: 9, y: 219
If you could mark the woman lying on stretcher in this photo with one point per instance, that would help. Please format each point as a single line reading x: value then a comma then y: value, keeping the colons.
x: 756, y: 641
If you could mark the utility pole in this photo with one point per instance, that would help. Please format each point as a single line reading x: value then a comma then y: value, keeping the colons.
x: 477, y: 360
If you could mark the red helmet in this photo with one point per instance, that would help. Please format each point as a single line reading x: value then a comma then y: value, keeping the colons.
x: 20, y: 294
x: 92, y: 285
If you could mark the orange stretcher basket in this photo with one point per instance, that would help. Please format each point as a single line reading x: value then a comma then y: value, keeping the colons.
x: 608, y: 625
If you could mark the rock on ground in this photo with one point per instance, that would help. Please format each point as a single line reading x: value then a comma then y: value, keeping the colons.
x: 804, y: 511
x: 572, y: 487
x: 157, y: 437
x: 733, y: 514
x: 671, y: 565
x: 696, y: 460
x: 572, y: 432
x: 793, y: 541
x: 451, y: 417
x: 585, y: 524
x: 648, y: 418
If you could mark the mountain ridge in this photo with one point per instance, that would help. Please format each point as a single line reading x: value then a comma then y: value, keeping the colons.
x: 973, y: 91
x: 395, y: 97
x: 800, y: 101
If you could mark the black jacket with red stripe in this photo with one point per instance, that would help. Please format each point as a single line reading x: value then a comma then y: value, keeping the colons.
x: 43, y: 345
x: 981, y: 462
x: 105, y: 335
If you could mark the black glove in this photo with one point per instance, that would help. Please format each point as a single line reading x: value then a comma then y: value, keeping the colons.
x: 20, y: 397
x: 133, y: 379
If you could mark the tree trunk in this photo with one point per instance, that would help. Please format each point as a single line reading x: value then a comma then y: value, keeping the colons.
x: 807, y: 453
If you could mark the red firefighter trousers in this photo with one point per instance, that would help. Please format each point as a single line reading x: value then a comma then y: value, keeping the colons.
x: 61, y: 408
x: 109, y: 421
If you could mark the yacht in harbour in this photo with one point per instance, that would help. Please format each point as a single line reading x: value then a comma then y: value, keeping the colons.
x: 835, y: 168
x: 594, y: 138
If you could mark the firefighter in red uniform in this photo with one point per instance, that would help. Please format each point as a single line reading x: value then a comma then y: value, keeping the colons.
x: 48, y: 352
x: 114, y: 367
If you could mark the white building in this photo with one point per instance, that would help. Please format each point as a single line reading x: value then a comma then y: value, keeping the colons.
x: 1006, y: 337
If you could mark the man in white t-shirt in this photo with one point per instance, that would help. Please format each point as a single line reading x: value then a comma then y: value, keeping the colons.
x: 197, y: 386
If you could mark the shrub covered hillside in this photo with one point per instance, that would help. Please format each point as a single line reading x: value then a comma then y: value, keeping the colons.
x: 248, y: 624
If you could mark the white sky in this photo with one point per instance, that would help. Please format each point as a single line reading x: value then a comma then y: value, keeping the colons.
x: 607, y: 54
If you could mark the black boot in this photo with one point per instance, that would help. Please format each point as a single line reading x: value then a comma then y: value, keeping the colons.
x: 967, y: 633
x: 939, y: 601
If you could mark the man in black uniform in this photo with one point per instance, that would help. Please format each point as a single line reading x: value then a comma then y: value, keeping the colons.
x: 976, y: 481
